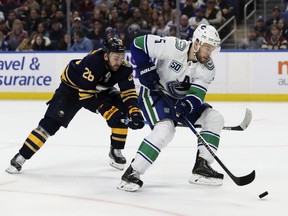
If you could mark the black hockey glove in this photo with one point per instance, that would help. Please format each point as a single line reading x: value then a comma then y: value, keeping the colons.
x: 148, y: 75
x: 112, y: 115
x: 136, y: 119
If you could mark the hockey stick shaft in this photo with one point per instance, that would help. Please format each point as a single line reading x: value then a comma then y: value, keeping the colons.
x: 240, y: 181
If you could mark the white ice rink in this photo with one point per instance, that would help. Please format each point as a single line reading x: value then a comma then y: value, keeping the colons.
x: 71, y: 175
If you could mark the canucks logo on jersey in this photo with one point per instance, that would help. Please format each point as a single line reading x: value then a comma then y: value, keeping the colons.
x: 209, y: 64
x: 179, y: 89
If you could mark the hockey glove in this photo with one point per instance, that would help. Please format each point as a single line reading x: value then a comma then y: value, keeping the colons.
x: 148, y: 75
x: 112, y: 115
x: 136, y: 119
x: 183, y: 107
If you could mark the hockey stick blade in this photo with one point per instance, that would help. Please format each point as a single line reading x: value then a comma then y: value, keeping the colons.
x: 244, y: 124
x: 240, y: 181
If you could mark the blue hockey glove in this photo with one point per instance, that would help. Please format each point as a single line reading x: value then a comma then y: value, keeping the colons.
x: 183, y: 107
x: 148, y: 75
x: 136, y: 119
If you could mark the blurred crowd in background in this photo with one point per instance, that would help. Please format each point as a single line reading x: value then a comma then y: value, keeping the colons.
x: 27, y: 25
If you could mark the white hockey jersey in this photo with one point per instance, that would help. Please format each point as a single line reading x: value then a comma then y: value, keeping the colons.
x: 173, y: 65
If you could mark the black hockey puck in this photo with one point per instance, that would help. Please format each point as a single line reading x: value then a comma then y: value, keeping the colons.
x: 263, y: 194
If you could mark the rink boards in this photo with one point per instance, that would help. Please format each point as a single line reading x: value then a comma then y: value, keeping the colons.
x: 240, y: 75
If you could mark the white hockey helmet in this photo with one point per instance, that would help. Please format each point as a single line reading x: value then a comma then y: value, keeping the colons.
x: 206, y: 34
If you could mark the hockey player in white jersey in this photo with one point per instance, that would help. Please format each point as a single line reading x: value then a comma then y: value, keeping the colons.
x: 185, y: 69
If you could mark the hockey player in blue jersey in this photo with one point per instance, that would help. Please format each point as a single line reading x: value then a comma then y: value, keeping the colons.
x: 89, y: 83
x: 185, y: 69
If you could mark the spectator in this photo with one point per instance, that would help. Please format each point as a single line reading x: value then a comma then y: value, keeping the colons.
x: 252, y: 41
x: 198, y: 4
x: 41, y: 29
x: 56, y: 32
x: 40, y: 43
x: 172, y: 22
x: 63, y: 43
x: 137, y: 19
x: 173, y: 31
x: 198, y: 19
x: 3, y: 28
x: 109, y: 32
x: 123, y: 35
x: 146, y: 11
x: 81, y: 42
x: 185, y: 30
x: 63, y: 6
x: 45, y: 18
x: 113, y: 17
x: 119, y: 26
x: 10, y: 18
x: 166, y: 11
x: 104, y: 10
x: 33, y: 4
x: 47, y: 5
x: 97, y: 15
x: 59, y: 15
x: 124, y: 10
x: 213, y: 15
x: 85, y: 6
x: 96, y: 35
x: 260, y: 27
x: 110, y: 3
x: 75, y: 14
x: 160, y: 29
x: 274, y: 17
x: 4, y: 45
x: 274, y: 41
x: 22, y: 11
x: 32, y: 21
x: 282, y: 26
x: 227, y: 8
x: 188, y: 8
x: 121, y: 32
x: 11, y: 5
x: 53, y: 11
x: 77, y: 25
x: 155, y: 16
x: 157, y: 4
x: 26, y: 44
x: 17, y: 34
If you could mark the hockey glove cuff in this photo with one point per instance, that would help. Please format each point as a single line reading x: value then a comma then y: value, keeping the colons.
x: 112, y: 115
x: 136, y: 119
x: 148, y: 75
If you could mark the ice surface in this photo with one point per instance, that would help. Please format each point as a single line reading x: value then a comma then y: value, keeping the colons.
x: 71, y: 175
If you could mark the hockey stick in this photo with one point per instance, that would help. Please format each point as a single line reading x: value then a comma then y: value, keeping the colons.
x: 240, y: 181
x: 241, y: 127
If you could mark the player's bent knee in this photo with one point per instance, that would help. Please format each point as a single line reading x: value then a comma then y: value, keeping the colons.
x: 213, y: 122
x: 49, y: 125
x: 162, y: 133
